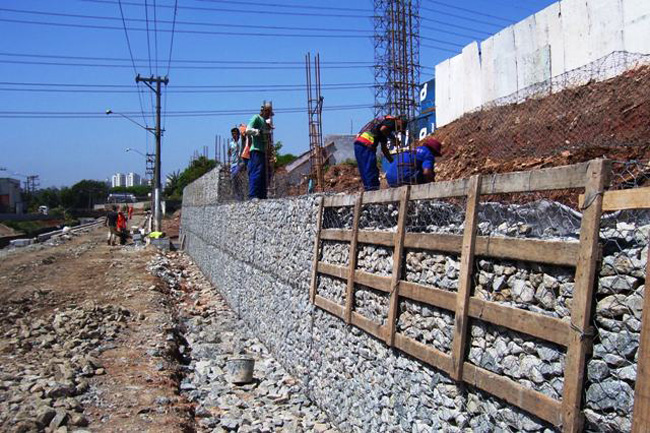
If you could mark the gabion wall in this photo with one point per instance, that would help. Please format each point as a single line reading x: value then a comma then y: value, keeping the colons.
x: 259, y: 255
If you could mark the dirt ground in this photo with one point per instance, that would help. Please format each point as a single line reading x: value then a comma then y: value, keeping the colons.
x: 129, y: 380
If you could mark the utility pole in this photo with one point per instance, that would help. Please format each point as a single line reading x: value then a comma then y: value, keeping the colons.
x: 157, y: 211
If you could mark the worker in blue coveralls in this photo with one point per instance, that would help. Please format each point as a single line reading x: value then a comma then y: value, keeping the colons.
x: 374, y: 133
x: 258, y: 129
x: 417, y: 167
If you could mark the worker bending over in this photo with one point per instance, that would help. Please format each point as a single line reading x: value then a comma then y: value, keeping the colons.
x: 258, y: 129
x: 376, y: 132
x: 416, y: 167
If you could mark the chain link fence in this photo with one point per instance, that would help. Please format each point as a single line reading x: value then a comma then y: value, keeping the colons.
x: 600, y: 109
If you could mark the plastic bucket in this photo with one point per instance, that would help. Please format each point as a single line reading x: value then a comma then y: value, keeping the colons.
x: 240, y: 370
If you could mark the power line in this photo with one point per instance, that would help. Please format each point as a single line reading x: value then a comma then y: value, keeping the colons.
x: 279, y: 5
x: 95, y: 115
x: 439, y: 48
x: 171, y: 44
x: 257, y: 90
x: 462, y: 35
x: 54, y: 113
x: 444, y: 23
x: 146, y: 17
x: 155, y: 33
x: 226, y: 86
x: 441, y: 41
x: 122, y: 59
x: 188, y: 23
x: 128, y: 43
x: 232, y: 67
x: 194, y: 32
x: 471, y: 11
x: 244, y: 11
x: 474, y: 20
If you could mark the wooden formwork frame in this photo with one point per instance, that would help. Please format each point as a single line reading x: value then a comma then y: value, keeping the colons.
x: 584, y: 256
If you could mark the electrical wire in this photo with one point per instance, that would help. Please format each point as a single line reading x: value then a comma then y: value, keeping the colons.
x: 226, y: 86
x: 244, y: 11
x: 128, y: 43
x: 155, y: 33
x: 194, y: 32
x: 122, y: 59
x: 188, y: 23
x: 146, y: 15
x: 232, y: 67
x: 257, y: 90
x: 471, y: 11
x: 279, y: 5
x: 444, y: 23
x: 474, y: 20
x: 171, y: 43
x: 194, y: 113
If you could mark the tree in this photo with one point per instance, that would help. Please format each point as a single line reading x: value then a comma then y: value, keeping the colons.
x: 136, y: 190
x: 84, y: 194
x: 172, y: 182
x: 196, y: 169
x: 281, y: 160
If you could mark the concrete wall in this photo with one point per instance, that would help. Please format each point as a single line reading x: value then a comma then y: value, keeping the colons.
x: 563, y: 37
x: 259, y: 255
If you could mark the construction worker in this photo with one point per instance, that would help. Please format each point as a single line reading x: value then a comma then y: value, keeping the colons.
x: 258, y: 130
x: 375, y: 132
x: 234, y: 152
x: 111, y: 223
x: 415, y: 167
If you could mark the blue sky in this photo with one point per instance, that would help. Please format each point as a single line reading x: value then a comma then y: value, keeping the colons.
x: 89, y: 145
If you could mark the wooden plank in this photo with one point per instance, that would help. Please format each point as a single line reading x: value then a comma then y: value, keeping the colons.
x: 372, y: 328
x: 398, y: 249
x: 428, y: 295
x: 429, y: 191
x: 329, y: 306
x: 510, y: 391
x: 333, y: 270
x: 461, y: 321
x: 389, y: 195
x: 434, y: 241
x: 340, y: 200
x: 641, y: 413
x: 634, y: 198
x: 532, y: 250
x: 336, y: 235
x: 377, y: 282
x: 349, y: 295
x: 579, y: 342
x: 570, y: 176
x: 316, y: 259
x: 535, y: 324
x: 424, y: 353
x: 386, y: 239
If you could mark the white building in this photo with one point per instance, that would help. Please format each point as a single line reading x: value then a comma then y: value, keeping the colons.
x: 118, y: 179
x: 133, y: 179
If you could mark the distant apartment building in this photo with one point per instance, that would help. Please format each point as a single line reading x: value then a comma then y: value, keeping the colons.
x: 118, y: 179
x: 10, y: 197
x: 133, y: 179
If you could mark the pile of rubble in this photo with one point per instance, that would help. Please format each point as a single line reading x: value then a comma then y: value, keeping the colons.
x: 48, y: 361
x: 211, y: 335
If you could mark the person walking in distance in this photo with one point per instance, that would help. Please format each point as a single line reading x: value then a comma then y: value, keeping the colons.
x: 111, y: 223
x: 374, y: 133
x: 121, y: 226
x: 258, y: 130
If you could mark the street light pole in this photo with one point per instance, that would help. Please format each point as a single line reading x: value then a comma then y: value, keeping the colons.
x: 157, y: 214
